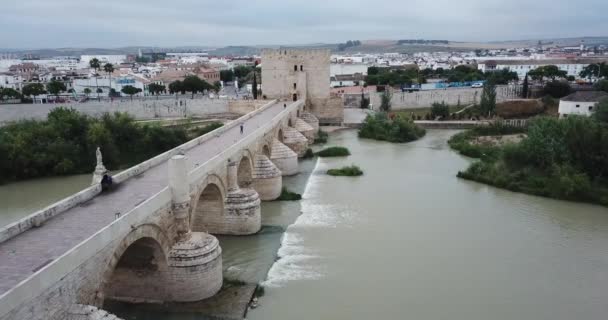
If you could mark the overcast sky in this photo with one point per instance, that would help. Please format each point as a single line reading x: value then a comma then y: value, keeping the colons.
x: 114, y: 23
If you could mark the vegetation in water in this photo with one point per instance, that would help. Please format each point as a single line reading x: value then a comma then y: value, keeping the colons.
x: 559, y: 158
x: 333, y: 152
x: 397, y: 128
x: 65, y: 144
x: 462, y: 141
x: 322, y: 137
x: 309, y: 154
x: 349, y: 171
x: 287, y: 195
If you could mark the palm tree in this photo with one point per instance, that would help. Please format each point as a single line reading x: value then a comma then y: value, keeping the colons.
x: 95, y: 65
x: 109, y: 68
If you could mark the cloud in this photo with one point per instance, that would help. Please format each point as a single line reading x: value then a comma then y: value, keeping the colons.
x: 112, y: 23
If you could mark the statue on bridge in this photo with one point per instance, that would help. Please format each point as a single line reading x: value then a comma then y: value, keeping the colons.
x: 100, y: 169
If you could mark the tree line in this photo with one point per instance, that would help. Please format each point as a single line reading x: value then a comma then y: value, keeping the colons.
x: 65, y: 144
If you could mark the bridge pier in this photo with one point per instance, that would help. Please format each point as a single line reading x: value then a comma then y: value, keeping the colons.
x: 242, y: 212
x: 284, y: 158
x: 306, y: 130
x: 267, y: 179
x: 311, y: 120
x: 295, y: 141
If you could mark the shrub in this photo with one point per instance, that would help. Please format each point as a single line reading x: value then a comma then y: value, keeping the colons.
x: 350, y: 171
x: 322, y: 137
x: 308, y: 154
x: 440, y: 110
x: 557, y: 89
x: 287, y: 195
x: 334, y: 152
x: 399, y: 129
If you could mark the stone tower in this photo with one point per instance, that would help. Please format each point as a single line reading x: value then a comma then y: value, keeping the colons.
x: 302, y: 74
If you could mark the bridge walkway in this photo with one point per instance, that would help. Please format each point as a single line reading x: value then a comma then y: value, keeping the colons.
x: 28, y: 252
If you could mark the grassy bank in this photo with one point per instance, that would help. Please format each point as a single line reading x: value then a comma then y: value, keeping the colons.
x: 562, y: 159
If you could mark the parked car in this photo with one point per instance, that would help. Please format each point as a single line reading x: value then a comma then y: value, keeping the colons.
x: 477, y: 85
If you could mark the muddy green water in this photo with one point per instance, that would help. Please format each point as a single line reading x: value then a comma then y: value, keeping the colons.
x: 409, y: 240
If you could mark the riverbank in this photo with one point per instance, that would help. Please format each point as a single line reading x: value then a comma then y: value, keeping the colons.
x: 561, y: 159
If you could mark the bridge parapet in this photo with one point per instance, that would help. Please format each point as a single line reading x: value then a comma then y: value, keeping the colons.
x: 39, y: 217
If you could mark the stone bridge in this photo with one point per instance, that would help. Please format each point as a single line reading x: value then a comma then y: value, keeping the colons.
x: 150, y: 239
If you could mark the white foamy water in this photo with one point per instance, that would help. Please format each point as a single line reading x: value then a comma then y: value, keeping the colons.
x: 295, y: 260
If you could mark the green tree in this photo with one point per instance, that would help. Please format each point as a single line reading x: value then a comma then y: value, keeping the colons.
x: 601, y: 85
x: 33, y: 89
x: 109, y: 68
x: 130, y: 90
x: 87, y: 91
x: 601, y: 111
x: 599, y: 70
x: 227, y: 75
x: 525, y: 89
x: 488, y: 99
x: 155, y: 88
x: 557, y: 89
x: 95, y: 65
x: 55, y: 87
x: 176, y: 87
x: 217, y: 86
x: 9, y: 93
x: 551, y: 71
x: 385, y: 100
x: 194, y: 84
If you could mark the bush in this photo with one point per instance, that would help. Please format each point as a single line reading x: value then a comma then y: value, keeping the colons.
x: 399, y: 129
x: 322, y: 137
x: 557, y: 89
x: 564, y: 159
x: 308, y: 154
x: 350, y: 171
x: 440, y: 110
x: 334, y: 152
x: 287, y: 195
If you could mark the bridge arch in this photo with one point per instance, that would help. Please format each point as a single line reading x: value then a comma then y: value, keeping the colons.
x: 266, y: 150
x: 137, y: 268
x: 245, y: 169
x: 208, y: 206
x: 280, y: 135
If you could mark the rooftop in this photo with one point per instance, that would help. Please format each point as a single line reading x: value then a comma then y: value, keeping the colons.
x: 585, y: 96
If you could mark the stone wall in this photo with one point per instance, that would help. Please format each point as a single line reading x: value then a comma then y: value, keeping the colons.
x: 140, y: 109
x: 245, y: 106
x: 425, y: 99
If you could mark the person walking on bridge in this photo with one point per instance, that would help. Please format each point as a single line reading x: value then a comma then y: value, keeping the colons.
x: 242, y: 128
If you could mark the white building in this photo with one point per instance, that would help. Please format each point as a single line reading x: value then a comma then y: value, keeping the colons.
x: 580, y: 103
x: 11, y: 80
x: 573, y: 67
x: 105, y: 85
x: 111, y: 58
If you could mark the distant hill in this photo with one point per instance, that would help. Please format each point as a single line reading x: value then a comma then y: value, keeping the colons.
x: 365, y: 46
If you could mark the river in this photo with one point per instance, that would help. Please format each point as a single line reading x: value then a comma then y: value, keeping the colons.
x: 409, y: 240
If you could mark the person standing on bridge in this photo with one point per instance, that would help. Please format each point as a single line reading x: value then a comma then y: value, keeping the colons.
x: 241, y: 128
